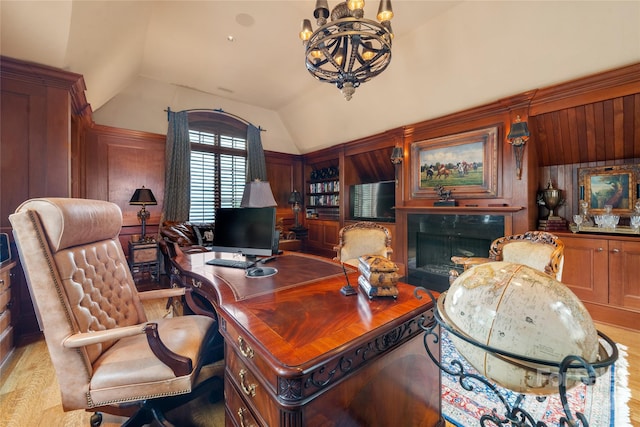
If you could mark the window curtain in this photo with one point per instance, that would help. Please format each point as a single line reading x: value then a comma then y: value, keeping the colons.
x: 256, y: 165
x: 177, y: 180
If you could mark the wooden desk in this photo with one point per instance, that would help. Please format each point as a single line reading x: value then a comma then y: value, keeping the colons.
x: 299, y: 353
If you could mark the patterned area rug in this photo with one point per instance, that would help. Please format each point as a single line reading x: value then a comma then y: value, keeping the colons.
x: 604, y: 404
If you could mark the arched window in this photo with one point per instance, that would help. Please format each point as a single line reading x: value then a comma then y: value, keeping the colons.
x: 218, y: 163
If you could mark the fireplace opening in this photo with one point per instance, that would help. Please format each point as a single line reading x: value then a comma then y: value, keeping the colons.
x: 433, y: 239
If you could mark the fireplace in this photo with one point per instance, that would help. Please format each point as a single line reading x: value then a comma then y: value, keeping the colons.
x: 433, y: 239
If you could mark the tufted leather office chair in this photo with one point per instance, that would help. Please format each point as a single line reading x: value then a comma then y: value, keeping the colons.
x: 107, y: 356
x: 537, y: 249
x: 362, y: 238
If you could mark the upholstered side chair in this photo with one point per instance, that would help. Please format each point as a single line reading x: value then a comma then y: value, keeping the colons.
x: 537, y: 249
x: 362, y: 238
x: 107, y: 356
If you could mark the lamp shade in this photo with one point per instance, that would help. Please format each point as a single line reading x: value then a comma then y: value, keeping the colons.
x: 397, y: 155
x: 143, y: 196
x: 518, y: 130
x: 257, y: 194
x: 295, y: 197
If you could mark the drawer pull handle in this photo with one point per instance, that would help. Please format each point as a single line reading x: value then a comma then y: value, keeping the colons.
x: 241, y: 412
x: 615, y: 251
x: 245, y: 349
x: 599, y: 250
x: 1, y: 282
x: 249, y: 390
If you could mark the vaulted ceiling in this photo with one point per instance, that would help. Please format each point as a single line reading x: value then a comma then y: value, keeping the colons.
x: 140, y: 57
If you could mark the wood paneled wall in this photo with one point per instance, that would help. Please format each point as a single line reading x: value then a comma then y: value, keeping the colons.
x: 595, y: 132
x: 117, y: 161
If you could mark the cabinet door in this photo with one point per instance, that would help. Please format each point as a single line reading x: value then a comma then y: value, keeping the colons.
x: 624, y: 273
x: 586, y: 268
x: 315, y: 234
x: 331, y: 231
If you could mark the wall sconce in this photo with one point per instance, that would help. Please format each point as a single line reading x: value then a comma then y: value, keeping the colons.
x: 295, y: 200
x: 397, y: 156
x: 518, y: 136
x: 143, y: 196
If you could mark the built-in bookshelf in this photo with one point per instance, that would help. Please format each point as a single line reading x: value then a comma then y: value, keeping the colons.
x: 324, y: 199
x: 323, y: 193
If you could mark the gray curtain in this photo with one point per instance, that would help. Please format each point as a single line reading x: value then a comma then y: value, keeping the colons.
x: 177, y: 179
x: 256, y: 165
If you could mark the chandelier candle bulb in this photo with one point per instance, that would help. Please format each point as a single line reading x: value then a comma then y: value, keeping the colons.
x: 385, y: 12
x: 306, y: 32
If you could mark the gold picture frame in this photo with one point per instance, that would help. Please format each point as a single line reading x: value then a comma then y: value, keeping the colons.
x: 442, y: 161
x: 610, y: 185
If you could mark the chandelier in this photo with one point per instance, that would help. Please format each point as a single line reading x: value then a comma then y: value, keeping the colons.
x: 350, y: 49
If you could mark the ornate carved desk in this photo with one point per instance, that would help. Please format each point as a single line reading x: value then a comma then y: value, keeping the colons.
x: 299, y: 353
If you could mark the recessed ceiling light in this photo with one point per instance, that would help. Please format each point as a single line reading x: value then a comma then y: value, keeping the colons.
x: 245, y: 19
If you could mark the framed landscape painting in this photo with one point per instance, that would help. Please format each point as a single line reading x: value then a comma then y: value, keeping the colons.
x: 609, y: 185
x: 465, y: 163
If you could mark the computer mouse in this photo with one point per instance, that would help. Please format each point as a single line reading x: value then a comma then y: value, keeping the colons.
x: 256, y: 272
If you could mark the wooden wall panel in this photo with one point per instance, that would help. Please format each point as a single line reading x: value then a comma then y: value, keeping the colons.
x: 35, y: 151
x: 118, y: 161
x: 284, y: 172
x: 602, y: 131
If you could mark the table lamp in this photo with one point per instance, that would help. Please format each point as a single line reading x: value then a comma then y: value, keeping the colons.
x: 143, y: 196
x: 257, y: 194
x: 295, y: 199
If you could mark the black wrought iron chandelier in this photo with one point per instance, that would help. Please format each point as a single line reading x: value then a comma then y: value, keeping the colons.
x: 350, y: 49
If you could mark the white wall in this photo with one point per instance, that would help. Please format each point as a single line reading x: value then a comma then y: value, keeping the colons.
x: 475, y: 53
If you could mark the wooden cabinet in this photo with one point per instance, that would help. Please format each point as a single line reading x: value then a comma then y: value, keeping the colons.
x: 6, y: 325
x: 604, y: 272
x: 322, y: 235
x: 43, y: 109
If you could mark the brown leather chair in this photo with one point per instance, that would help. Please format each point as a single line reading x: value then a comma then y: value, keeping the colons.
x: 362, y: 238
x: 107, y: 356
x: 537, y: 249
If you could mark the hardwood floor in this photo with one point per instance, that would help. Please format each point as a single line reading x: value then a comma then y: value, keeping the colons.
x: 29, y: 394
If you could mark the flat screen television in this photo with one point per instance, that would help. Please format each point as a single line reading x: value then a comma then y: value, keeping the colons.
x: 249, y: 231
x: 374, y: 201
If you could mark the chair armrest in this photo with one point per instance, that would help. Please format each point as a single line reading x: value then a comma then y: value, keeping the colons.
x: 161, y: 293
x: 194, y: 249
x: 467, y: 262
x: 89, y: 338
x: 180, y: 365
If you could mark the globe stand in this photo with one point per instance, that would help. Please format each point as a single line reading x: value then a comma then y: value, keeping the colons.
x: 514, y: 414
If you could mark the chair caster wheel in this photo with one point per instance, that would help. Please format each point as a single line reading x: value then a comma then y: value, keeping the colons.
x: 96, y: 420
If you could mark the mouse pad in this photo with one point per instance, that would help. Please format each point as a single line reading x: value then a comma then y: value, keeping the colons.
x: 293, y: 270
x: 259, y: 272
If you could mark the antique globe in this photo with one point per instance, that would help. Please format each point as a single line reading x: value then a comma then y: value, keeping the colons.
x: 517, y: 309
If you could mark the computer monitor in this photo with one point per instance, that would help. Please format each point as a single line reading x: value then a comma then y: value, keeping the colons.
x: 249, y: 231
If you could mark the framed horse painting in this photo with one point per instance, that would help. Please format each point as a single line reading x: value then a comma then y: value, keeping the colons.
x: 464, y: 163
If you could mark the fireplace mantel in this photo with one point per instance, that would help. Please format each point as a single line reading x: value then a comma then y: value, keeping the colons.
x: 460, y: 210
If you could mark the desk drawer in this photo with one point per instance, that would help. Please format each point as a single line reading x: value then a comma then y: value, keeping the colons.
x: 5, y: 298
x: 251, y: 389
x: 5, y: 279
x: 237, y: 410
x: 6, y: 343
x: 5, y: 320
x: 246, y: 352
